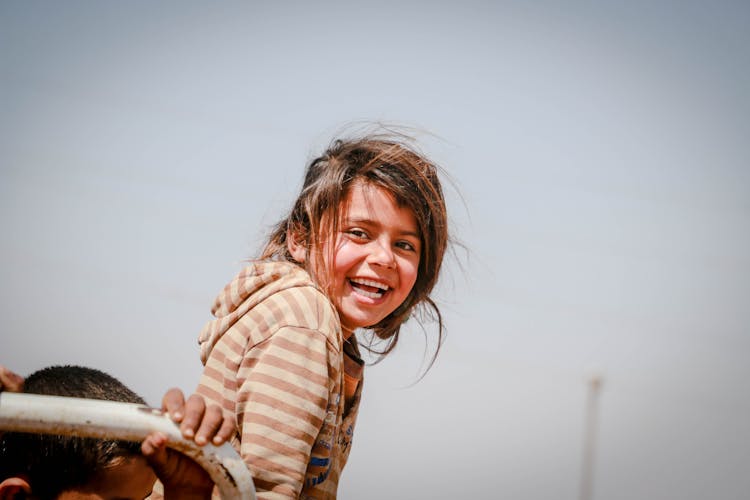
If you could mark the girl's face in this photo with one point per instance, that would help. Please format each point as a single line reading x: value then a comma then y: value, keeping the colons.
x: 375, y: 258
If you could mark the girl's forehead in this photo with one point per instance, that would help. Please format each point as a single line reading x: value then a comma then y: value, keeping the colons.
x: 367, y: 196
x: 373, y: 204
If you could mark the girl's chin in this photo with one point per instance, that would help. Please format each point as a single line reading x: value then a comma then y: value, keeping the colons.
x: 359, y: 311
x: 353, y: 321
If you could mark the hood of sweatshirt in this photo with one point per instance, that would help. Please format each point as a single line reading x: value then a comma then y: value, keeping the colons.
x: 251, y: 286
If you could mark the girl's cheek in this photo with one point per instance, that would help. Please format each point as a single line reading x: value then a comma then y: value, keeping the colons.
x: 411, y: 280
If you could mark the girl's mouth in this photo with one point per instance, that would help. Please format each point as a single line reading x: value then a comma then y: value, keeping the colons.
x: 368, y: 288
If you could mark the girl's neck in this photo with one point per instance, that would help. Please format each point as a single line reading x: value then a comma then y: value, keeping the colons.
x: 347, y: 333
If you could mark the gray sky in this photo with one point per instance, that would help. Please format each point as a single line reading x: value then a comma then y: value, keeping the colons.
x: 602, y: 187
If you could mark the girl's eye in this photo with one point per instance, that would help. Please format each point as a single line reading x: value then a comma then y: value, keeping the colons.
x: 358, y: 233
x: 405, y: 245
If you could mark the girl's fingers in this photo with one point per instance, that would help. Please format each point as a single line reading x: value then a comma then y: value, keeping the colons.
x: 212, y: 420
x: 195, y: 407
x: 227, y: 430
x: 173, y: 403
x: 197, y: 421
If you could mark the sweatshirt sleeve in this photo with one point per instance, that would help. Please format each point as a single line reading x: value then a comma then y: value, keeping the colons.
x: 282, y: 397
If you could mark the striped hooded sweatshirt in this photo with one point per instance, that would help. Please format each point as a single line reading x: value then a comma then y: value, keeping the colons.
x: 275, y: 357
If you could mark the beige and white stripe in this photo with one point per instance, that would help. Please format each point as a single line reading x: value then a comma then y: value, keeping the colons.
x: 273, y: 358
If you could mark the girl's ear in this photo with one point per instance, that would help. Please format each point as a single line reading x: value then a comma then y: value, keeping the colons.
x: 297, y: 250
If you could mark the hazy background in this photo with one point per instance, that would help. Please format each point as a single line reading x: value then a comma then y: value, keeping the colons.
x: 600, y: 154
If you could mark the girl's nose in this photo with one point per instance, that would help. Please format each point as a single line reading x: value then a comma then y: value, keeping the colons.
x: 382, y: 254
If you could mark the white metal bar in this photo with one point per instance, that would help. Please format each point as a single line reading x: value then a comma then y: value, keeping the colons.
x: 122, y: 421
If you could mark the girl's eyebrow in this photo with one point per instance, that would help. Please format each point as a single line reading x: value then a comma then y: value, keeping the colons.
x: 370, y: 222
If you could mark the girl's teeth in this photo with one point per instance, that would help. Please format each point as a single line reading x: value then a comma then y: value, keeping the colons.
x: 368, y: 288
x: 372, y: 295
x: 370, y: 283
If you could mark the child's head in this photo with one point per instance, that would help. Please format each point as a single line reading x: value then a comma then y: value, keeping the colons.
x: 61, y: 467
x: 383, y: 199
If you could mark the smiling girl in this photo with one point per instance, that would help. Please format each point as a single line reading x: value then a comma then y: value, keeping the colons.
x: 361, y: 249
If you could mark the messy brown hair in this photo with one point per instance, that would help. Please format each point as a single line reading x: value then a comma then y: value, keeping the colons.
x: 388, y: 161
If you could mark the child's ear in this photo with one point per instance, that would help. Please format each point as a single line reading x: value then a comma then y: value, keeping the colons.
x: 297, y: 249
x: 14, y: 488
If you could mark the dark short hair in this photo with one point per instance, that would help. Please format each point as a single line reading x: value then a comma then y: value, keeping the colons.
x: 54, y: 464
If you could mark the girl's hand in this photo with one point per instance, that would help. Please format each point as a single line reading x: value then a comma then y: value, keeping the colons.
x: 181, y: 476
x: 9, y: 381
x: 198, y: 422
